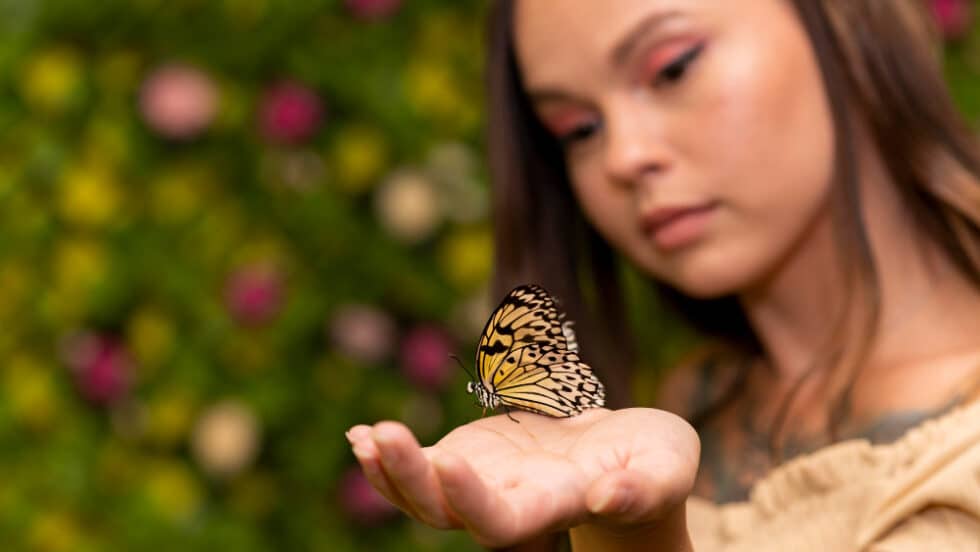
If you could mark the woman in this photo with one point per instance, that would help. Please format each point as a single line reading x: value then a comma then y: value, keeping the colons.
x: 795, y: 178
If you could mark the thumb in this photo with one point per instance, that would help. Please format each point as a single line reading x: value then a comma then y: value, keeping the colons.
x: 628, y: 496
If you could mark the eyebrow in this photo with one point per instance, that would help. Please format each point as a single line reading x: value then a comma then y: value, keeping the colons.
x: 620, y: 52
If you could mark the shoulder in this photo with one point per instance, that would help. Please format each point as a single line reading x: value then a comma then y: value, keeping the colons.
x: 934, y: 489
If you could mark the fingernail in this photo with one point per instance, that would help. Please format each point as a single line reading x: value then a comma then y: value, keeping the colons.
x: 349, y: 438
x: 612, y: 500
x: 602, y: 503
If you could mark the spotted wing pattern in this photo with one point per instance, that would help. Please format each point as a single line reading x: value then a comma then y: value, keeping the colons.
x: 528, y: 358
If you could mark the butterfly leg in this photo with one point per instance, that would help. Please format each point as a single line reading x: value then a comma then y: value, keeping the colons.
x: 513, y: 419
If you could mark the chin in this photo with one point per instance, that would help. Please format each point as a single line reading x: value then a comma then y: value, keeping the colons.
x: 705, y: 288
x: 705, y: 275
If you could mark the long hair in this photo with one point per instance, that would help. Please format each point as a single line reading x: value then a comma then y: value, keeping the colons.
x: 880, y: 64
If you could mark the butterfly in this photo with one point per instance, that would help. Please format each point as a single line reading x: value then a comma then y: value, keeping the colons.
x: 528, y: 358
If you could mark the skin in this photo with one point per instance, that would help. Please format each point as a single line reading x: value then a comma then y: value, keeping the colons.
x: 745, y: 128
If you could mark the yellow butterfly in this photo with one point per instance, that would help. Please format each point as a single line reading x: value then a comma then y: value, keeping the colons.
x: 528, y: 359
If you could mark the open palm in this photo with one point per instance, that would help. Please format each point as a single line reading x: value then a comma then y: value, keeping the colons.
x: 506, y: 482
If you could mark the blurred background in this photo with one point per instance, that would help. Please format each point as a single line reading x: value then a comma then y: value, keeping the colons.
x: 229, y: 230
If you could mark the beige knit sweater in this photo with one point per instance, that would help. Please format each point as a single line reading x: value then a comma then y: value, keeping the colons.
x: 920, y: 493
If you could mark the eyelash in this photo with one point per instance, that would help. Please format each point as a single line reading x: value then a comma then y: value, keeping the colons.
x: 670, y: 74
x: 676, y: 69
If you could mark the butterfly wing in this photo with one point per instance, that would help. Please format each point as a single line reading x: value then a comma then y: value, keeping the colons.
x: 561, y: 389
x: 527, y: 357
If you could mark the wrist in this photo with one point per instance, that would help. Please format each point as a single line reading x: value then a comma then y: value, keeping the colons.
x: 668, y: 534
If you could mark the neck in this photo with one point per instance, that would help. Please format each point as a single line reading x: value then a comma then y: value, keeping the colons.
x: 926, y: 306
x: 789, y: 310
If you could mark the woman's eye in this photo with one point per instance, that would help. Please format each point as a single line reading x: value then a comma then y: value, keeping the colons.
x: 675, y: 70
x: 577, y: 134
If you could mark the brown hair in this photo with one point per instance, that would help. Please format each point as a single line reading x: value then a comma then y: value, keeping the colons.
x: 882, y: 74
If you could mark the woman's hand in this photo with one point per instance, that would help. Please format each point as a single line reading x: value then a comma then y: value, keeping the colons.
x: 621, y: 472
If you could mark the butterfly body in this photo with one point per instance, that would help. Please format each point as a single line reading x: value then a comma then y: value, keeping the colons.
x: 528, y: 359
x: 484, y: 397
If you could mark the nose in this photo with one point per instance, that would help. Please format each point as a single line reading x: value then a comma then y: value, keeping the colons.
x: 634, y: 145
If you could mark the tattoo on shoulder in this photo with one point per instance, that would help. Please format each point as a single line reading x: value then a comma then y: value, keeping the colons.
x: 893, y: 425
x: 735, y: 452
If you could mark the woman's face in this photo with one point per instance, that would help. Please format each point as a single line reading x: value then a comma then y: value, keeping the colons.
x: 696, y: 132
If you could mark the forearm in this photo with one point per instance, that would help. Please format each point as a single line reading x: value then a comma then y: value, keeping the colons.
x: 669, y: 535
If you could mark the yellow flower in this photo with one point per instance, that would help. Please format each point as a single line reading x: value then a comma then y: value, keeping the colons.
x: 358, y: 157
x: 51, y: 79
x: 29, y: 386
x: 179, y: 193
x: 466, y: 257
x: 169, y: 418
x: 54, y: 531
x: 79, y: 264
x: 14, y: 286
x: 441, y: 29
x: 433, y: 89
x: 151, y: 336
x: 173, y: 489
x: 90, y: 195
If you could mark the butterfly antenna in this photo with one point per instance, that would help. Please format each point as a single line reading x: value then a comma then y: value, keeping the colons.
x: 460, y: 362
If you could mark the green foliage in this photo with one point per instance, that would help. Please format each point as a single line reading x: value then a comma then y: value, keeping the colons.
x: 117, y: 235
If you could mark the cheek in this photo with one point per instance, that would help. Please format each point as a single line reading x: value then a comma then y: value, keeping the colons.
x: 764, y: 147
x: 774, y: 138
x: 608, y: 209
x: 772, y: 150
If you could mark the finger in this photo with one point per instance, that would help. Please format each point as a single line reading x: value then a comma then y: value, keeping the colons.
x: 368, y: 457
x: 483, y: 512
x: 628, y: 496
x: 358, y: 434
x: 411, y: 473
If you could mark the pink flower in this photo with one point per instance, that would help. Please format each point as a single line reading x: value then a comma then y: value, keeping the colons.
x: 362, y: 332
x: 290, y: 113
x: 425, y: 357
x: 954, y: 17
x: 178, y: 101
x: 101, y: 365
x: 362, y: 502
x: 254, y: 294
x: 373, y: 9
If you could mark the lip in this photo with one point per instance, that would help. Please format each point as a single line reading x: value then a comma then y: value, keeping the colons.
x: 674, y: 226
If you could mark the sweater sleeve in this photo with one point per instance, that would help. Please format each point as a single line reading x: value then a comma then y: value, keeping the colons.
x: 937, y: 528
x: 920, y: 493
x: 941, y: 489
